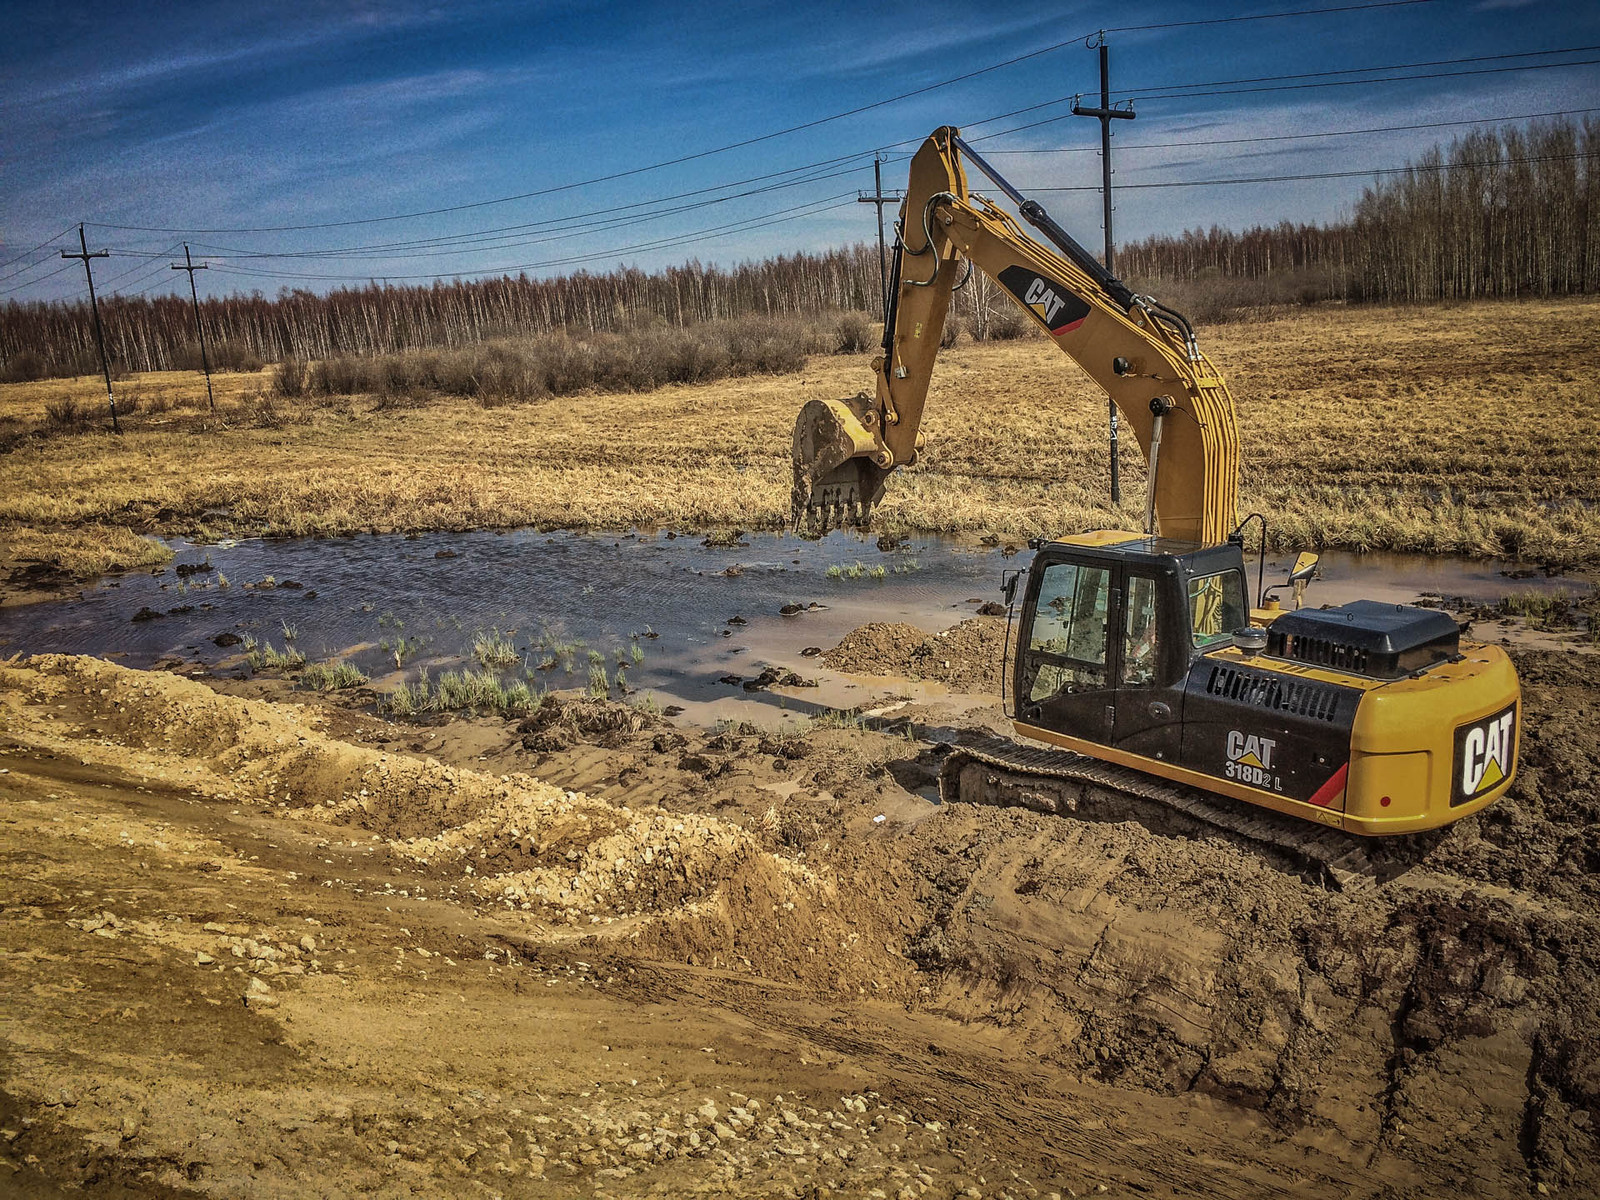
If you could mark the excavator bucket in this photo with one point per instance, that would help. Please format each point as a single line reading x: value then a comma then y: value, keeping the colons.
x: 837, y: 476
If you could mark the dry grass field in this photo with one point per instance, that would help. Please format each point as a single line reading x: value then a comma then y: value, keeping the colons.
x: 1449, y: 429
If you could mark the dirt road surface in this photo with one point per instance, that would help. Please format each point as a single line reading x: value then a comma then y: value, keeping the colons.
x: 262, y: 949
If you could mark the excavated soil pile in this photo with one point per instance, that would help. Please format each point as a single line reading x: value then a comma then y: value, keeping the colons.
x: 643, y: 876
x: 966, y: 657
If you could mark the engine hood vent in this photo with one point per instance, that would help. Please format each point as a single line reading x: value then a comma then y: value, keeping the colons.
x: 1365, y: 637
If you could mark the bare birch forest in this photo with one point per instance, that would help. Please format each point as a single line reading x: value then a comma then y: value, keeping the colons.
x: 1498, y: 213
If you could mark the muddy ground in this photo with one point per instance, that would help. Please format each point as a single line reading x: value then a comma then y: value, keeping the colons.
x: 252, y: 945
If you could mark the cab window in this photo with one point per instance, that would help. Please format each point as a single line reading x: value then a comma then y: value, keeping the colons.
x: 1139, y: 633
x: 1070, y: 615
x: 1069, y: 623
x: 1216, y: 607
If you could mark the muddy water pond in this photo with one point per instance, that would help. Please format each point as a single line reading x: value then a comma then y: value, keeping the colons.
x: 687, y: 623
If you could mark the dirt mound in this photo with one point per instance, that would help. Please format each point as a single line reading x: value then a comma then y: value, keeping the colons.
x: 690, y: 882
x: 1428, y: 1022
x: 966, y: 657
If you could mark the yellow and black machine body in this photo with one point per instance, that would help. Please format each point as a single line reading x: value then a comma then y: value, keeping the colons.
x: 1143, y: 649
x: 1373, y: 718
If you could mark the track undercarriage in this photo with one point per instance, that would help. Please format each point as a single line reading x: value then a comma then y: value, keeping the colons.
x: 1058, y: 782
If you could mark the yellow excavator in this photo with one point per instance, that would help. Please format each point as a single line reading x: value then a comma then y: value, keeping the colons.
x: 1140, y: 665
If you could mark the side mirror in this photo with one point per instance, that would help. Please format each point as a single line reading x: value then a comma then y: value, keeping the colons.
x: 1305, y: 570
x: 1250, y: 641
x: 1008, y: 586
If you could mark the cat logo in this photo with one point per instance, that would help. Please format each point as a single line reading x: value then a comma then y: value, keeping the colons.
x: 1057, y: 309
x: 1250, y: 760
x: 1043, y: 300
x: 1485, y: 754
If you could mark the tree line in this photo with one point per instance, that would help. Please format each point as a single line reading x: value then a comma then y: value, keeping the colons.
x: 1497, y: 213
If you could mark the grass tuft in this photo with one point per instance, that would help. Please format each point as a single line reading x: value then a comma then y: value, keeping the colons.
x: 262, y: 656
x: 464, y: 689
x: 331, y: 677
x: 494, y: 650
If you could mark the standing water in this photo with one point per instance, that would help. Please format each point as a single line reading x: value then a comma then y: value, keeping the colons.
x: 686, y: 622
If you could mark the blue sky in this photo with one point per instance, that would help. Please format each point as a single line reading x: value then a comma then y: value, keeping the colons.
x: 213, y: 123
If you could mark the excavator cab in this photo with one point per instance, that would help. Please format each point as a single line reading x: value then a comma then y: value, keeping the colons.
x: 1109, y: 633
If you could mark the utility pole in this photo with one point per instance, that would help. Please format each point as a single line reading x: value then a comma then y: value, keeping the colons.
x: 99, y: 334
x: 188, y: 265
x: 1106, y: 114
x: 880, y: 200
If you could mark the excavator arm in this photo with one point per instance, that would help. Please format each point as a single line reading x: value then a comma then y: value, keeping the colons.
x: 1142, y: 354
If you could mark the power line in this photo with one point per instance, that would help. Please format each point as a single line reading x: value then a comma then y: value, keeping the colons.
x: 465, y: 237
x: 463, y: 240
x: 1294, y: 87
x: 23, y: 270
x: 549, y: 222
x: 36, y: 249
x: 1291, y: 137
x: 1243, y: 91
x: 765, y: 137
x: 36, y: 282
x: 499, y: 239
x: 1436, y: 62
x: 1447, y: 166
x: 138, y: 268
x: 148, y: 277
x: 1303, y: 12
x: 451, y: 242
x: 458, y: 243
x: 811, y: 208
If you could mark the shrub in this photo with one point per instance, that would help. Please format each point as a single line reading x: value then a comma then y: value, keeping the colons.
x: 1007, y: 325
x: 853, y: 333
x: 264, y: 411
x: 462, y: 689
x: 65, y: 413
x: 341, y: 377
x: 24, y: 366
x: 290, y: 378
x: 264, y: 657
x: 494, y: 649
x: 230, y: 355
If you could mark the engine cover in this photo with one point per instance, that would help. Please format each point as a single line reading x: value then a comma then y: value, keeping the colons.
x: 1366, y: 637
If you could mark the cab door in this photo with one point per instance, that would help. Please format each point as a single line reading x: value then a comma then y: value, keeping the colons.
x: 1150, y: 660
x: 1064, y: 678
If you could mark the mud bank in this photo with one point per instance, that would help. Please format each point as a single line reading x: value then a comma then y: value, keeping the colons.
x: 254, y: 947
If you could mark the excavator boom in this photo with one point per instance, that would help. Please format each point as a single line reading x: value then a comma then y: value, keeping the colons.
x: 1143, y: 355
